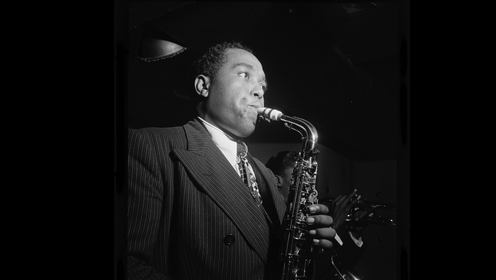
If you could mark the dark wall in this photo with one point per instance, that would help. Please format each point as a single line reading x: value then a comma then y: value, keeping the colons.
x: 376, y: 181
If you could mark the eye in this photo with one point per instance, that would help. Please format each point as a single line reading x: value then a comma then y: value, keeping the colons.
x: 243, y: 74
x: 263, y: 86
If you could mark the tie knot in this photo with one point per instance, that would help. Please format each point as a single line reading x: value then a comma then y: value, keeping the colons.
x: 241, y: 148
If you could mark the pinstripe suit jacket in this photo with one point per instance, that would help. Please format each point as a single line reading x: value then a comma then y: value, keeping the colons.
x: 189, y: 214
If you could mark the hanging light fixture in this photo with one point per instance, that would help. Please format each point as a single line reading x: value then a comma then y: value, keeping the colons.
x: 153, y: 49
x: 155, y: 45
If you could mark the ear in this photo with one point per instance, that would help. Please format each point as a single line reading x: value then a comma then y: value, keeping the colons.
x: 202, y: 83
x: 279, y: 181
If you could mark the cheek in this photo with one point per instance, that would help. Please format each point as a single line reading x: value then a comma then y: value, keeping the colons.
x: 242, y: 101
x: 222, y: 101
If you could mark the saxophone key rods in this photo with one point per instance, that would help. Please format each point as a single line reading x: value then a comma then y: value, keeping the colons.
x: 298, y: 249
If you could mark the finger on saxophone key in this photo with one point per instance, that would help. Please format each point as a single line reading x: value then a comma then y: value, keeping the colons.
x: 312, y: 208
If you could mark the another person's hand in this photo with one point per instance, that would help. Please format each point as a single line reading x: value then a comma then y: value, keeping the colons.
x: 340, y: 208
x: 356, y: 225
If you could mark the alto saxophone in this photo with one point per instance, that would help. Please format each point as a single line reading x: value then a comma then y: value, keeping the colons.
x: 298, y: 249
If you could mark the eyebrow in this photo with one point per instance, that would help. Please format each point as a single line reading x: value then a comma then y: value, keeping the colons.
x: 249, y: 66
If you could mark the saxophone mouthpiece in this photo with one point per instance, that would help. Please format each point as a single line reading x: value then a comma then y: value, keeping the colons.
x: 269, y: 114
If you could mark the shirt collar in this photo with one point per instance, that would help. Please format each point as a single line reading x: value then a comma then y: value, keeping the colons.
x: 225, y: 142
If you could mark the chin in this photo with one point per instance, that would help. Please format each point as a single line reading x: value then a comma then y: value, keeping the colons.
x: 245, y: 134
x: 247, y: 131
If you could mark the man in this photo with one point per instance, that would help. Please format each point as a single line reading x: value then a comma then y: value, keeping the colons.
x: 282, y: 165
x: 190, y: 215
x: 350, y: 246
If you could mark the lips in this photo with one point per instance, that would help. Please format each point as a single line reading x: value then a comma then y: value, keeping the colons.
x: 253, y: 109
x: 255, y: 105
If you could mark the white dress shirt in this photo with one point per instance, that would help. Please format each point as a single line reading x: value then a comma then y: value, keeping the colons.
x: 226, y: 143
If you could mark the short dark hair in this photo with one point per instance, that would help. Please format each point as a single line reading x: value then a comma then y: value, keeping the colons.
x: 211, y: 61
x: 280, y: 161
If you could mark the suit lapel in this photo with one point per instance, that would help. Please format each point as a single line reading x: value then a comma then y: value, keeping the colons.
x: 209, y: 167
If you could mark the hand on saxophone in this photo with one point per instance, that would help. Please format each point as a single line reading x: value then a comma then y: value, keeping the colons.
x: 320, y: 226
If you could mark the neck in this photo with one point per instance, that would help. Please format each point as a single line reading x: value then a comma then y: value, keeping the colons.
x: 227, y: 133
x: 208, y: 120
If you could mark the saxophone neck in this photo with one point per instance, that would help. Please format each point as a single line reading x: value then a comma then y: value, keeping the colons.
x: 303, y: 127
x: 307, y: 131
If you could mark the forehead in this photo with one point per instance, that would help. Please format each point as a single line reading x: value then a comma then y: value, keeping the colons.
x: 237, y: 57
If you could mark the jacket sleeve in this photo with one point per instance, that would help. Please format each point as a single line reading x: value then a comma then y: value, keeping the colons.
x: 145, y: 198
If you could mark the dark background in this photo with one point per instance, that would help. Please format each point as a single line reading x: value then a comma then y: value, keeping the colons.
x: 344, y: 66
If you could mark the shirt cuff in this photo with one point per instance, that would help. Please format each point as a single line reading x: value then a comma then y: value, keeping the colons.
x: 338, y: 239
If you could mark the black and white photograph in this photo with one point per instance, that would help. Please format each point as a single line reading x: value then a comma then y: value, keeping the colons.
x: 262, y: 140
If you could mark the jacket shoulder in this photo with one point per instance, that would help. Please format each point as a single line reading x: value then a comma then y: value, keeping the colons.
x: 173, y: 137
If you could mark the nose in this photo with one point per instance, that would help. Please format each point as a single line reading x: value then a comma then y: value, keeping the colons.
x: 258, y: 92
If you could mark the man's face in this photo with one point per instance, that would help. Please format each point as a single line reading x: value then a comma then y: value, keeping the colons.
x: 235, y: 93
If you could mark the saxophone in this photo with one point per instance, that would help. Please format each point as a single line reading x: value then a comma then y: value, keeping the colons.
x: 298, y: 249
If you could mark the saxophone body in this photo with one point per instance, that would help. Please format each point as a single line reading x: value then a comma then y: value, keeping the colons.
x: 297, y: 248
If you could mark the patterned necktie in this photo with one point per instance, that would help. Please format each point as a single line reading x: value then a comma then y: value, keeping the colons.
x: 246, y: 172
